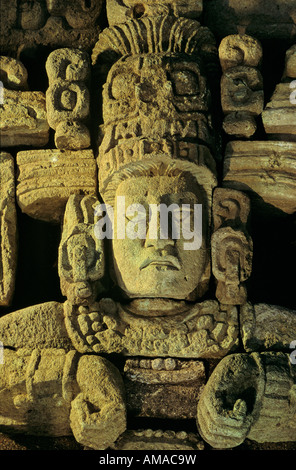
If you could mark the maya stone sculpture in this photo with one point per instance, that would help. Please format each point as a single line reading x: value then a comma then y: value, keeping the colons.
x: 153, y: 265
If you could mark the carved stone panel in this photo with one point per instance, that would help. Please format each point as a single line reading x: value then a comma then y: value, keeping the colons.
x: 48, y: 177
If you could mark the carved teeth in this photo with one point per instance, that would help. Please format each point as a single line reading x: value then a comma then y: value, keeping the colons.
x: 157, y: 364
x: 145, y: 364
x: 94, y: 316
x: 170, y: 364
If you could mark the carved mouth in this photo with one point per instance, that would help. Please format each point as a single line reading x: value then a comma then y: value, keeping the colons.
x: 169, y: 262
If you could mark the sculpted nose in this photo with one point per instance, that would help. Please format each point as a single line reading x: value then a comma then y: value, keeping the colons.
x: 158, y: 236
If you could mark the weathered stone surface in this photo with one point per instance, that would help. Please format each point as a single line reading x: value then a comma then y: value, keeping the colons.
x: 240, y: 49
x: 242, y: 95
x: 205, y: 331
x: 42, y: 326
x: 79, y: 15
x: 242, y: 90
x: 120, y: 11
x: 276, y: 421
x: 264, y: 170
x: 8, y: 229
x: 162, y: 266
x: 68, y: 98
x: 231, y: 245
x: 163, y: 388
x: 148, y: 439
x: 267, y: 327
x: 258, y: 401
x: 232, y: 252
x: 290, y: 65
x: 81, y: 254
x: 26, y: 25
x: 48, y: 177
x: 279, y: 115
x: 33, y: 389
x: 165, y: 85
x: 46, y: 392
x: 13, y: 73
x: 230, y: 207
x: 23, y: 120
x: 240, y: 124
x: 98, y: 413
x: 263, y: 19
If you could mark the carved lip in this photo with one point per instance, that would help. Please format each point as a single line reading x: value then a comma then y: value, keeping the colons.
x: 169, y: 261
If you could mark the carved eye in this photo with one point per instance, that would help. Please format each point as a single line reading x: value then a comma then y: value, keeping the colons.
x: 87, y: 4
x: 185, y: 82
x: 123, y: 86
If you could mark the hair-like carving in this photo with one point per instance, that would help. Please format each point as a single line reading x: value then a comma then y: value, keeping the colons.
x: 163, y: 34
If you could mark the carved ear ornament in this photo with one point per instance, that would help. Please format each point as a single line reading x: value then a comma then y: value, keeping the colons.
x: 231, y: 245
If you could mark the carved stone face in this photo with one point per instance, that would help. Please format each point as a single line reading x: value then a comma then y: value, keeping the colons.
x: 156, y: 267
x: 165, y: 87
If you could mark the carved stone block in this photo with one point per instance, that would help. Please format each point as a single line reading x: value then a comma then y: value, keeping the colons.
x: 52, y: 392
x: 232, y: 247
x: 242, y: 90
x: 240, y: 124
x: 68, y: 98
x: 48, y: 177
x: 267, y: 327
x: 23, y: 119
x: 148, y: 439
x: 79, y: 14
x: 206, y: 331
x: 52, y: 23
x: 13, y: 73
x: 238, y: 50
x: 279, y: 115
x: 81, y: 254
x: 258, y: 401
x: 265, y: 171
x: 163, y: 388
x: 8, y: 229
x: 120, y: 11
x: 290, y: 65
x: 242, y: 95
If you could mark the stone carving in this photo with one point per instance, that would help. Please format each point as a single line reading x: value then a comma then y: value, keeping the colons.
x: 23, y: 119
x: 81, y: 254
x: 279, y: 114
x: 148, y: 439
x: 242, y: 96
x: 267, y: 327
x: 173, y: 330
x: 52, y: 23
x: 13, y: 73
x: 163, y: 387
x: 265, y: 170
x: 120, y: 11
x: 164, y: 82
x: 8, y: 229
x: 290, y: 63
x: 48, y: 177
x: 79, y: 394
x: 249, y: 396
x: 232, y: 246
x: 68, y: 99
x: 156, y: 323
